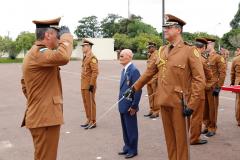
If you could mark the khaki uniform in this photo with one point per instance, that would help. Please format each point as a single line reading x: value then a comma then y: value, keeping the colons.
x: 89, y: 77
x: 235, y: 79
x: 41, y: 84
x: 179, y: 70
x: 152, y: 88
x: 197, y: 116
x: 218, y: 67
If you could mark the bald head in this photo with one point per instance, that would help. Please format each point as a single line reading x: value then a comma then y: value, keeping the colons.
x: 126, y: 56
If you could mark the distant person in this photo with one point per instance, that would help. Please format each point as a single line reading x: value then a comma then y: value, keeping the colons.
x: 235, y: 80
x: 89, y: 83
x: 41, y: 85
x: 152, y: 85
x: 196, y: 119
x: 218, y: 66
x: 128, y: 108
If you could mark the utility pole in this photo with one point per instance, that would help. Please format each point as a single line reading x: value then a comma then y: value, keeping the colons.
x: 129, y: 14
x: 163, y: 20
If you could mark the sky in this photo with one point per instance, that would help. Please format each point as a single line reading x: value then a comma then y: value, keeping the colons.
x: 212, y: 16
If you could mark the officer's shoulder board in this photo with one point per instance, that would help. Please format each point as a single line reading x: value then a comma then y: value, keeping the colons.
x: 94, y: 59
x: 187, y: 43
x: 42, y: 50
x: 222, y: 59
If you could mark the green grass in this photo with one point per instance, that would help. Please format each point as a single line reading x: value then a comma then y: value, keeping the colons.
x: 8, y: 60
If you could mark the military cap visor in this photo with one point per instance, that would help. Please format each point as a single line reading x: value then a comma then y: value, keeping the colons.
x: 53, y: 23
x: 210, y: 39
x: 201, y: 40
x: 86, y: 42
x: 171, y: 20
x: 151, y: 44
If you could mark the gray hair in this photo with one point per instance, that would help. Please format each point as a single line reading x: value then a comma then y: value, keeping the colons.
x: 40, y: 32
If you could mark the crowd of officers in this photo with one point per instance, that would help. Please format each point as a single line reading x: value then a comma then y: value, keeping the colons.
x: 183, y: 84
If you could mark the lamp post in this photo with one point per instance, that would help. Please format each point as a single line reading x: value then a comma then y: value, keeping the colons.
x: 163, y: 20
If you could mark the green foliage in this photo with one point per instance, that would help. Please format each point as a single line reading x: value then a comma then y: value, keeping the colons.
x: 88, y: 27
x: 110, y: 25
x: 231, y: 40
x: 8, y: 60
x: 25, y: 41
x: 75, y: 43
x: 121, y: 41
x: 236, y: 20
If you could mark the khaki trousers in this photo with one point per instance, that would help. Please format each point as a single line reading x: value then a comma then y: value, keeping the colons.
x: 89, y: 104
x: 196, y: 123
x: 237, y: 112
x: 151, y: 89
x: 45, y: 140
x: 175, y: 132
x: 210, y: 111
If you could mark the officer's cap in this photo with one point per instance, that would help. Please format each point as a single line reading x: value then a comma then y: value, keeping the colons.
x: 210, y: 39
x: 151, y: 44
x: 52, y: 23
x: 171, y: 20
x: 86, y: 42
x: 200, y: 42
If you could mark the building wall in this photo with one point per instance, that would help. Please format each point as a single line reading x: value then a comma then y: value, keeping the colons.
x: 103, y: 49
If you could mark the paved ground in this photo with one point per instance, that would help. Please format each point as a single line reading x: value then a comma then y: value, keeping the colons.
x: 106, y: 140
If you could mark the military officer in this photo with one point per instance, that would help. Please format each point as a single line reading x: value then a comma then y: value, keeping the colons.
x: 180, y: 72
x: 152, y: 85
x: 235, y: 80
x: 218, y: 66
x: 197, y: 116
x: 89, y: 83
x: 41, y: 85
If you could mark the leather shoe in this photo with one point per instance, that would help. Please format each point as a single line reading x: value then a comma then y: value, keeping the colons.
x: 154, y: 116
x: 130, y: 155
x: 84, y: 125
x: 122, y: 153
x: 205, y: 131
x: 200, y: 142
x: 148, y: 115
x: 210, y: 134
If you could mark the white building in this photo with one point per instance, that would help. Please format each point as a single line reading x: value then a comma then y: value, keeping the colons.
x: 103, y: 49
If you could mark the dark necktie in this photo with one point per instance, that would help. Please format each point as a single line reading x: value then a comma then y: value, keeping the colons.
x: 122, y: 75
x: 171, y: 47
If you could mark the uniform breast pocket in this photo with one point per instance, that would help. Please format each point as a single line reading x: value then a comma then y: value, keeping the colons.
x: 179, y: 69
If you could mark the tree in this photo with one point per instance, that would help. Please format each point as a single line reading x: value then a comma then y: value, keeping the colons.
x: 236, y: 20
x: 25, y: 41
x: 134, y: 26
x: 121, y: 41
x: 230, y: 40
x: 110, y: 25
x: 140, y: 42
x: 88, y: 27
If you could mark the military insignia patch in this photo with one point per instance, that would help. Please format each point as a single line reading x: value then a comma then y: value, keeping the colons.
x: 196, y: 53
x: 222, y: 60
x: 94, y: 60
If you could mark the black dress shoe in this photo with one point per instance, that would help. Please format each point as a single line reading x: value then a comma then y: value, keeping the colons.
x: 122, y: 153
x: 205, y: 131
x: 200, y: 142
x: 130, y: 155
x: 84, y: 125
x: 210, y: 134
x: 154, y: 116
x: 92, y: 126
x: 148, y: 115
